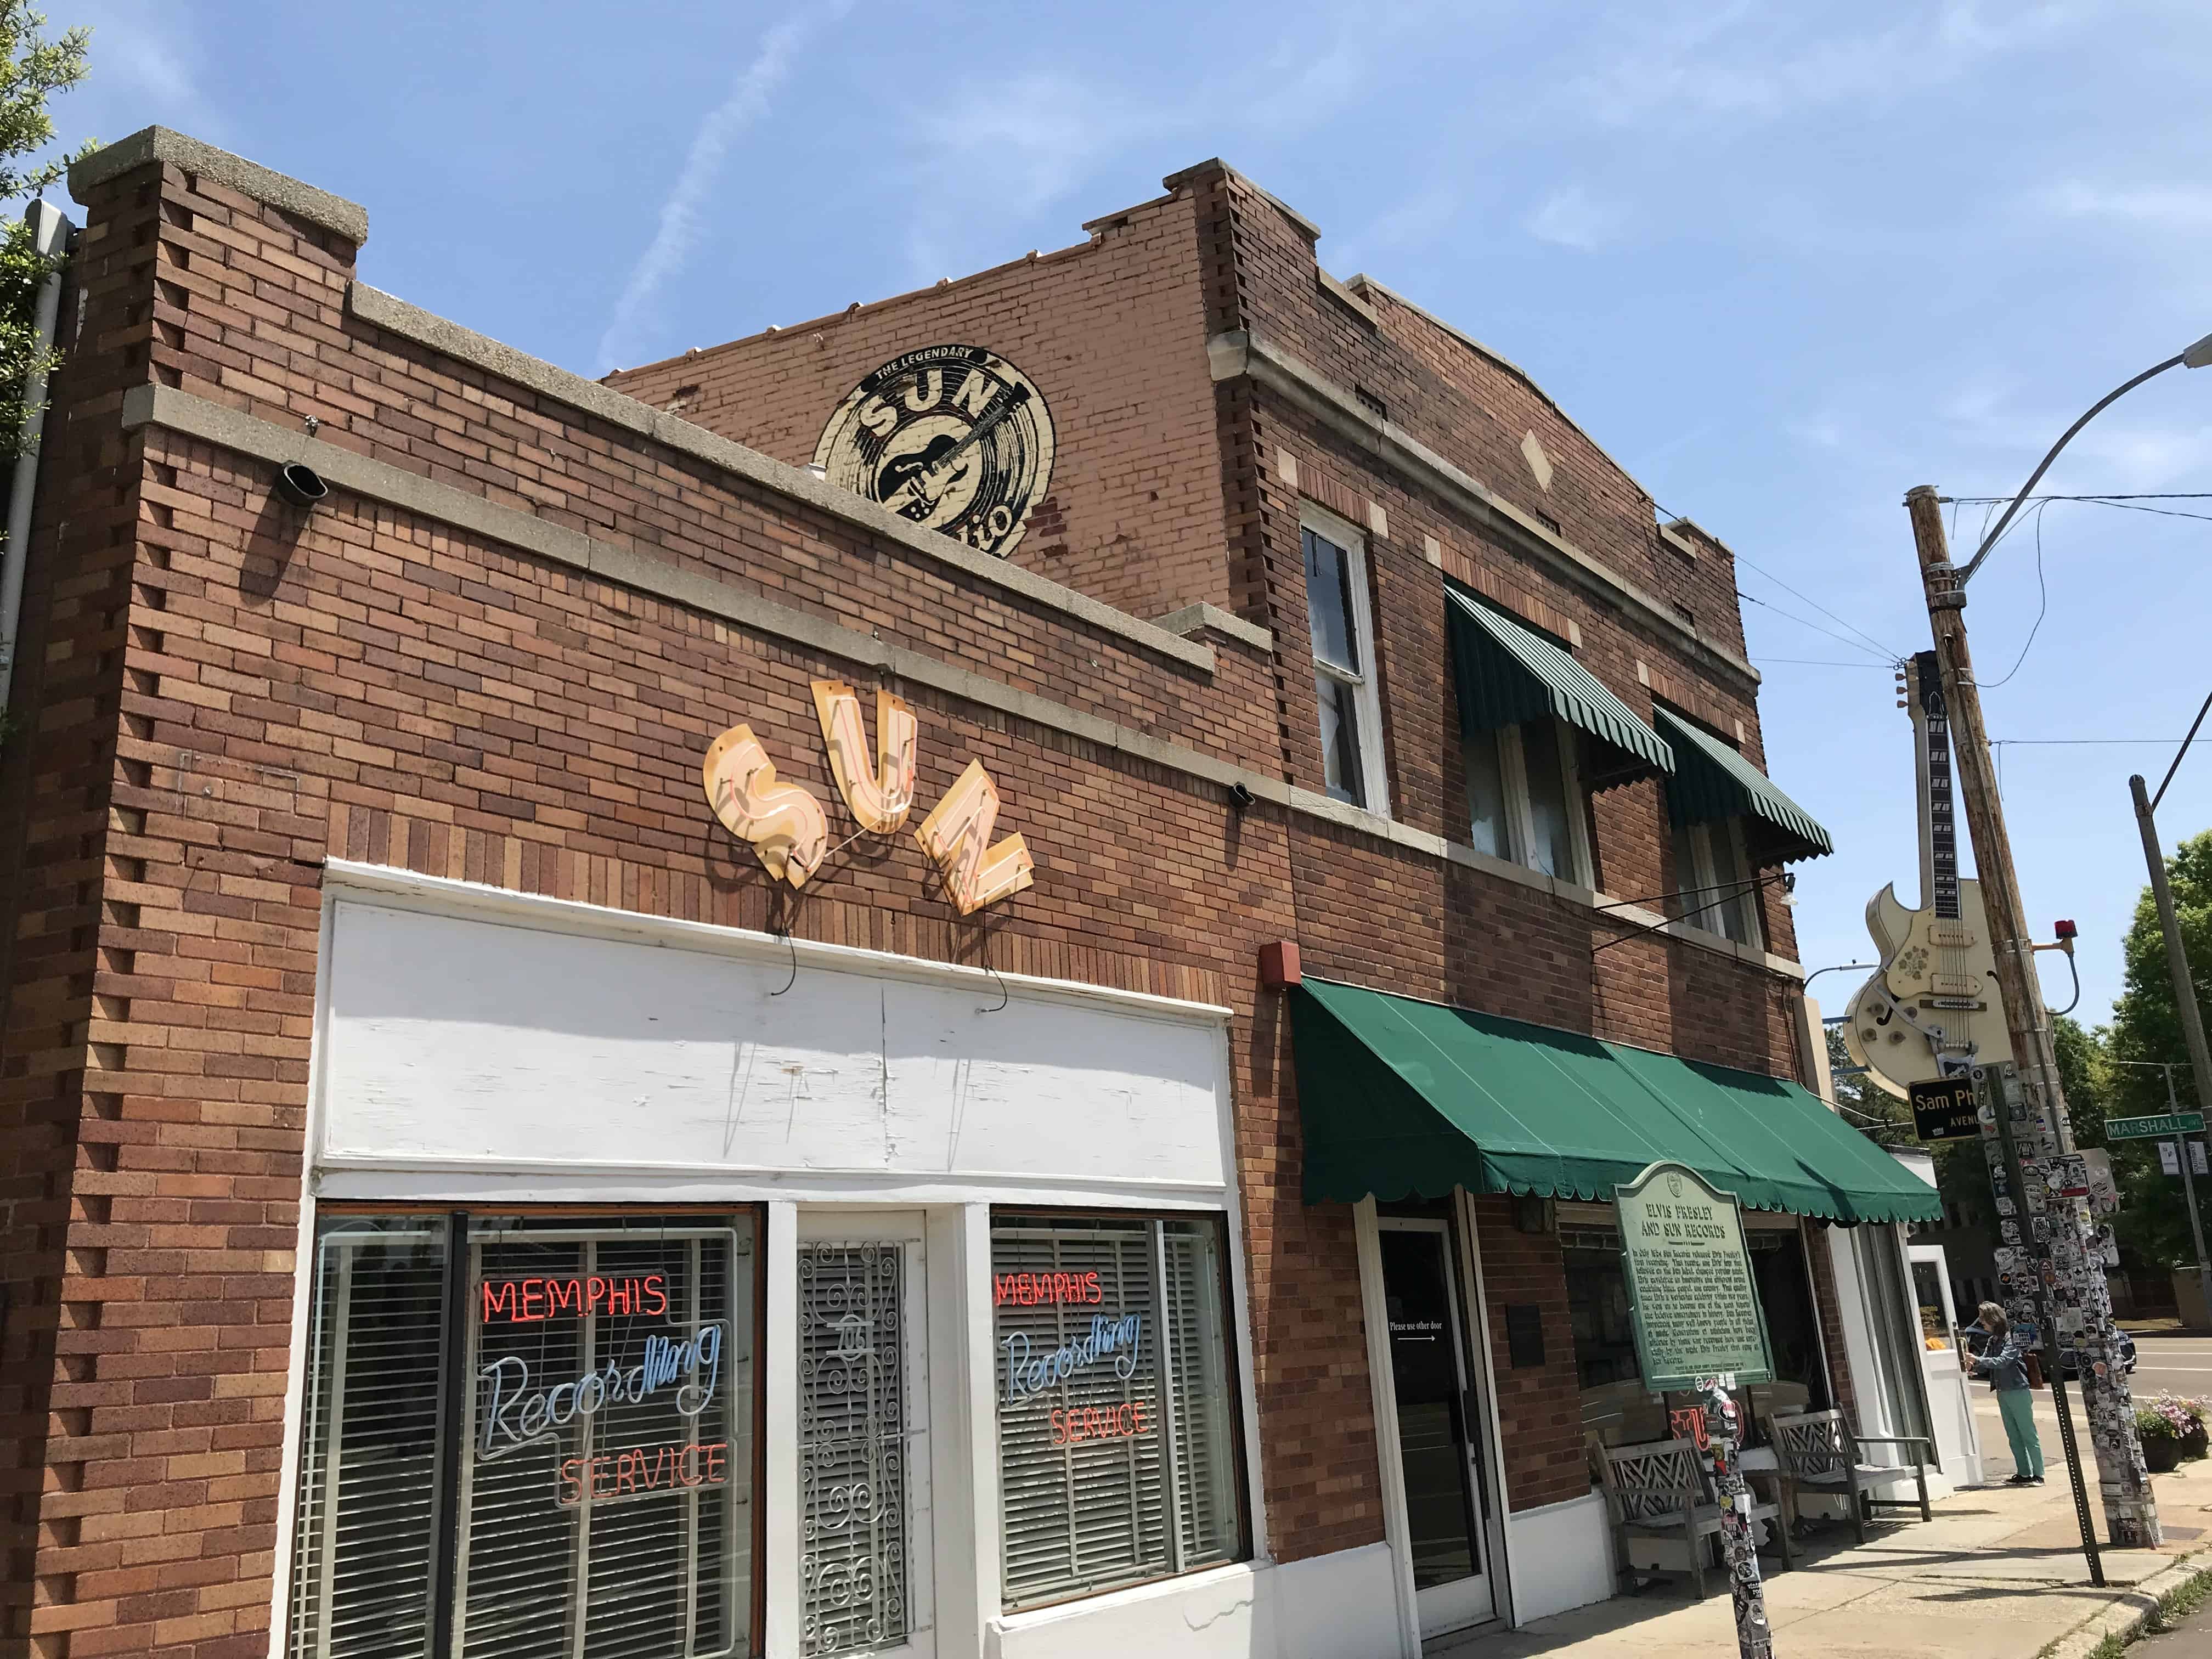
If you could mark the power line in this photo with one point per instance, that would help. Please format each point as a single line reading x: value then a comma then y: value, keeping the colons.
x: 2042, y: 601
x: 2165, y: 496
x: 2185, y: 742
x: 1821, y: 662
x: 2052, y: 743
x: 1892, y: 655
x: 1888, y: 656
x: 1805, y: 622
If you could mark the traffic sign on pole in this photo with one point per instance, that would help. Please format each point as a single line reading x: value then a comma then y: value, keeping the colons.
x: 2153, y: 1129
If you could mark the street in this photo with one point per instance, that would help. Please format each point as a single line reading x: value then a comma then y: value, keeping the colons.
x: 2173, y: 1364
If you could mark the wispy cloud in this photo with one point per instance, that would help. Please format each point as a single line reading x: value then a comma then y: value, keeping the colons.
x: 1572, y: 217
x: 1748, y: 64
x: 678, y: 232
x: 2182, y: 208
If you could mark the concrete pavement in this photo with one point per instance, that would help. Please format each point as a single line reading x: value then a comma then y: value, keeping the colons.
x: 1998, y: 1574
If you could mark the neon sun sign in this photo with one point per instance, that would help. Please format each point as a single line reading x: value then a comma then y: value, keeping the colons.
x: 786, y: 826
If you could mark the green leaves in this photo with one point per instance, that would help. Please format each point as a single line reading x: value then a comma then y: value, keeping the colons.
x: 33, y: 69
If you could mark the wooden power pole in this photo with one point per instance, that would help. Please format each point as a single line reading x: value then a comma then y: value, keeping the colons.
x: 2042, y: 1233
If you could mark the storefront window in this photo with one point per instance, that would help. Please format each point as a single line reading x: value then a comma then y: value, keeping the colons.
x: 1615, y: 1405
x: 526, y: 1436
x: 1117, y: 1419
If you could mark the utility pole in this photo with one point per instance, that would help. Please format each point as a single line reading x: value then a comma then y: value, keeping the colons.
x: 2176, y: 958
x: 2074, y: 1271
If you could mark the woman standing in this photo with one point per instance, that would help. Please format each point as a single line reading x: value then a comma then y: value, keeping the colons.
x: 2004, y: 1365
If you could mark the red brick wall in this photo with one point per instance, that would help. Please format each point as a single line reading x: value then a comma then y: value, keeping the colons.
x: 1111, y: 332
x: 1539, y: 1409
x: 55, y: 771
x: 371, y: 685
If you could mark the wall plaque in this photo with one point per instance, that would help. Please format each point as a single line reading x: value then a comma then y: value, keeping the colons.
x: 951, y: 436
x: 1691, y: 1297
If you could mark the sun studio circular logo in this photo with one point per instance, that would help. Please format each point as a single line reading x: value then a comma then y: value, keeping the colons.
x: 951, y: 436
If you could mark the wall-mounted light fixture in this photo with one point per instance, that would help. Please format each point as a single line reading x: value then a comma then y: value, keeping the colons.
x: 1532, y: 1214
x: 300, y: 485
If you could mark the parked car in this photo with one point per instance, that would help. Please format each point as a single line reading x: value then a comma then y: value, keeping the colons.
x: 2073, y: 1367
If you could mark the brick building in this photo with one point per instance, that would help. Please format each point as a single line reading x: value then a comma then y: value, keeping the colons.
x: 493, y: 1164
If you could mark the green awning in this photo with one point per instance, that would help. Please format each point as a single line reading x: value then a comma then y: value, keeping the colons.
x: 1402, y: 1098
x: 1507, y: 673
x: 1712, y: 781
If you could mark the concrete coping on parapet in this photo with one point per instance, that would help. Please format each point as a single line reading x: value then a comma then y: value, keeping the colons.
x: 318, y: 207
x: 1192, y: 618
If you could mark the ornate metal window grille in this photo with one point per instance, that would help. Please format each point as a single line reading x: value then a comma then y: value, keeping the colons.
x: 851, y: 1447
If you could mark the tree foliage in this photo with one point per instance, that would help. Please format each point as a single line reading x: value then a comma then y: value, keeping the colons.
x: 2145, y: 1036
x: 33, y: 69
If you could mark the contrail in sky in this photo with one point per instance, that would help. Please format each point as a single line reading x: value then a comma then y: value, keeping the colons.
x: 678, y: 230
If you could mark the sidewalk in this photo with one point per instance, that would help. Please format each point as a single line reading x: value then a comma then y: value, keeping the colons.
x: 1998, y: 1574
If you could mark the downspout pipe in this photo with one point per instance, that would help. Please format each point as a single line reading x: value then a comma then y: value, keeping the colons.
x: 51, y: 231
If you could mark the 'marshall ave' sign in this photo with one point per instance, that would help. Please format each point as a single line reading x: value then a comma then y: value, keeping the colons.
x: 2150, y: 1128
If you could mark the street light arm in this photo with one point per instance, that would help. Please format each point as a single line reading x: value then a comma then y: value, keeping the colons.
x: 2192, y: 357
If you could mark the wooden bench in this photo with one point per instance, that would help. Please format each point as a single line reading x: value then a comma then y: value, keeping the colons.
x: 1660, y: 1491
x: 1819, y: 1453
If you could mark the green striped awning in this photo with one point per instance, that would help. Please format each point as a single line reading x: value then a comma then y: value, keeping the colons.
x: 1507, y: 673
x: 1713, y: 781
x: 1401, y: 1098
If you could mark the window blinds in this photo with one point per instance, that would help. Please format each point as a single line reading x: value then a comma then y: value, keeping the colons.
x: 601, y: 1461
x: 1117, y: 1435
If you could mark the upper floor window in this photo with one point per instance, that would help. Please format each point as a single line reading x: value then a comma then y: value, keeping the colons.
x: 1524, y: 798
x: 1337, y: 617
x: 1731, y: 827
x: 1719, y: 892
x: 1539, y: 735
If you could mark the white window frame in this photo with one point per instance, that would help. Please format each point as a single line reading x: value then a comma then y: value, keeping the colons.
x: 1366, y: 698
x: 1698, y: 908
x: 1520, y: 814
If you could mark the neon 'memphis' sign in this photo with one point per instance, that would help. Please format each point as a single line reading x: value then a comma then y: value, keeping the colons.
x: 524, y: 1301
x: 1030, y: 1373
x: 511, y: 1416
x: 1032, y: 1289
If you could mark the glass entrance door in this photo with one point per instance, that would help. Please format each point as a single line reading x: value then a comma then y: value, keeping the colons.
x: 1439, y: 1437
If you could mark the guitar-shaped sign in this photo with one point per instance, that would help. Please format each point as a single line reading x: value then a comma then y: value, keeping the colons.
x: 1932, y: 1009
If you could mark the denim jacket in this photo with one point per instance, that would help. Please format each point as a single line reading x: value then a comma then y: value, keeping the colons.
x: 2005, y: 1365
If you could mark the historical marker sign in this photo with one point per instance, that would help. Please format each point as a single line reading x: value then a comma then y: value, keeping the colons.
x: 1695, y: 1303
x: 2153, y: 1129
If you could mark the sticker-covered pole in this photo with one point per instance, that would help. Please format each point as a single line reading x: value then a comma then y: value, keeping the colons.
x: 1754, y: 1638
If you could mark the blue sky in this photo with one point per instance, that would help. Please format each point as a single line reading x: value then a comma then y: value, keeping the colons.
x: 1783, y: 261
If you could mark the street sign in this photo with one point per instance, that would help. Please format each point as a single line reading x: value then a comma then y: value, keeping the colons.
x: 2169, y: 1160
x: 2152, y: 1129
x: 1944, y: 1110
x: 1693, y: 1301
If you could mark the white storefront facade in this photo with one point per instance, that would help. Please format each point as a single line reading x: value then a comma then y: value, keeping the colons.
x: 755, y: 1296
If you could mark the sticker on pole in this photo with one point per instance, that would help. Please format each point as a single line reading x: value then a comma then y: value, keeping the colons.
x: 1693, y: 1301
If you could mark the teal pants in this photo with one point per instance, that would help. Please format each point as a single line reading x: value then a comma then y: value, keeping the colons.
x: 2018, y: 1406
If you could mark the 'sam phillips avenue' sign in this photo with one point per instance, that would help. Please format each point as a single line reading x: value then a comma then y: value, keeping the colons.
x: 1692, y: 1300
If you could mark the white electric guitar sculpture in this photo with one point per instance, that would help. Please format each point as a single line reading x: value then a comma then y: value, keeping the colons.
x: 1932, y: 1009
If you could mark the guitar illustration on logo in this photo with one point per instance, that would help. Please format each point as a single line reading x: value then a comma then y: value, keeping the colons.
x: 1931, y: 1010
x: 913, y: 486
